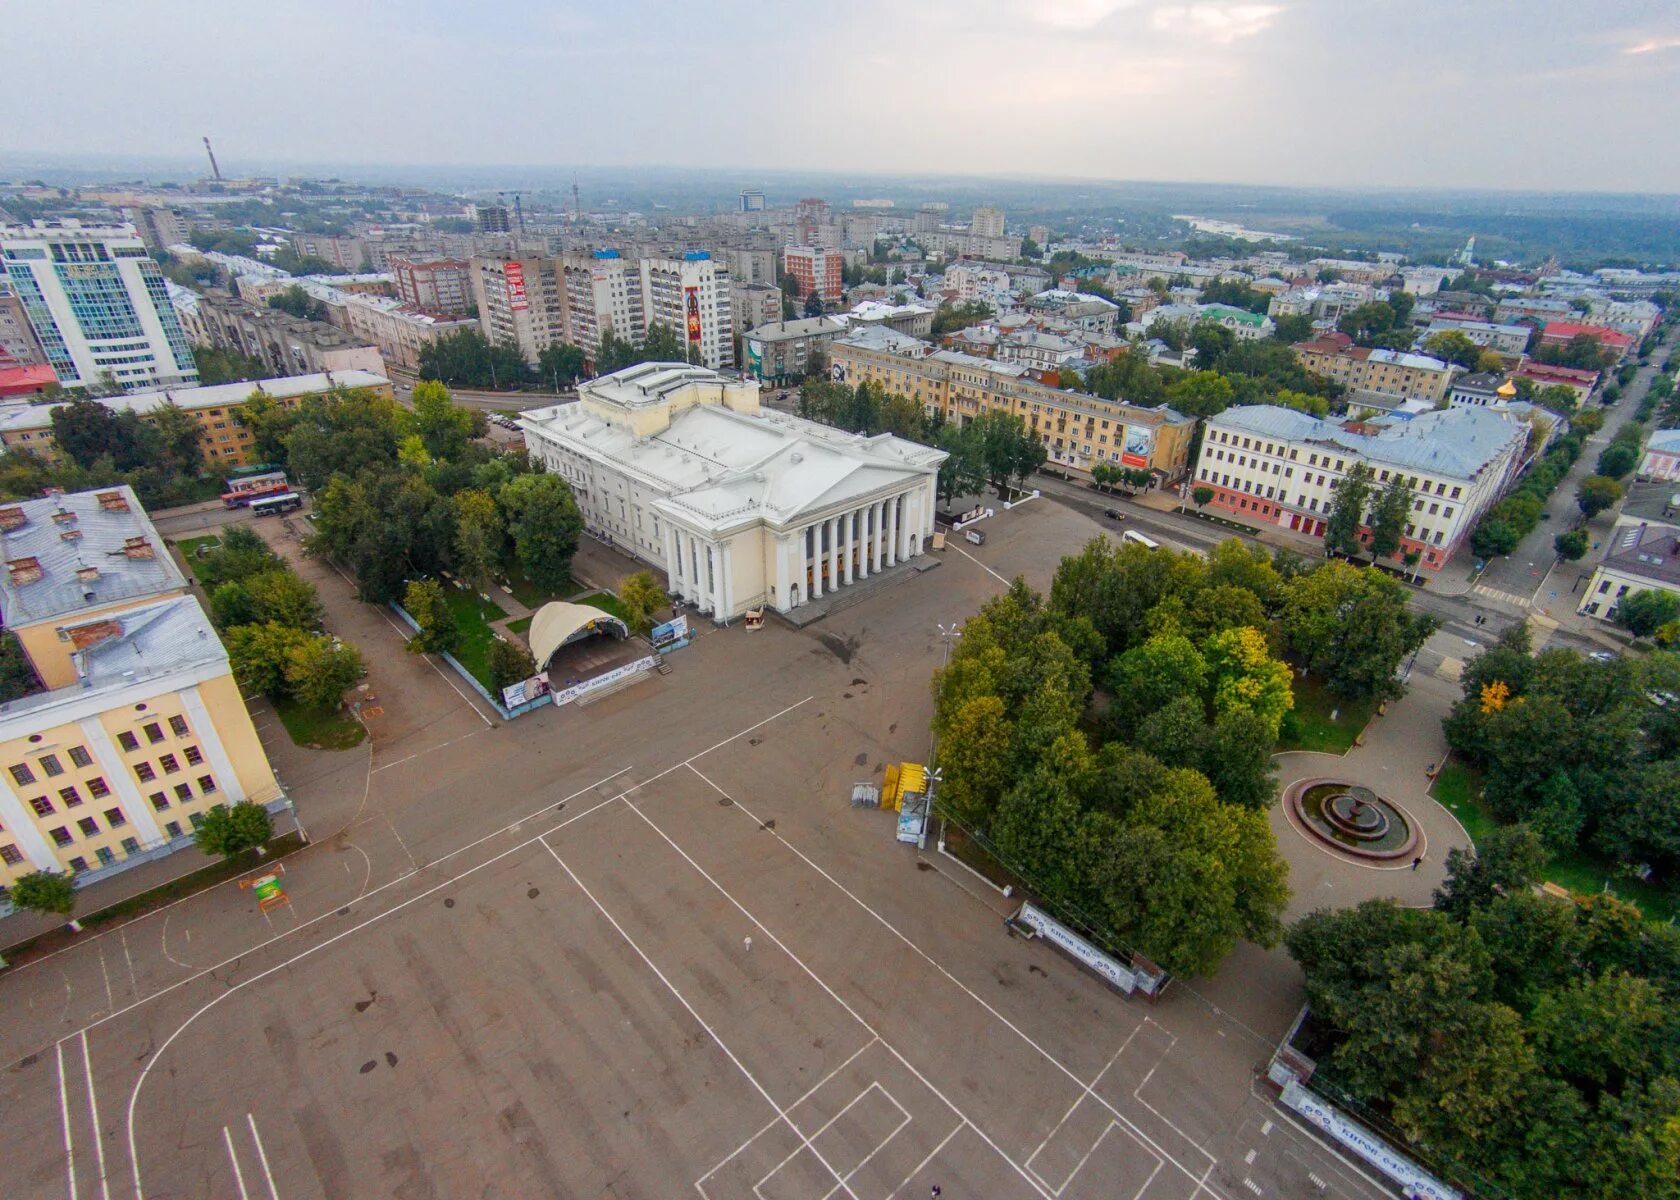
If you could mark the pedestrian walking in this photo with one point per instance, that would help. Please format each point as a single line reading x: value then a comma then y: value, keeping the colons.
x: 937, y: 1192
x: 747, y: 942
x: 1417, y: 862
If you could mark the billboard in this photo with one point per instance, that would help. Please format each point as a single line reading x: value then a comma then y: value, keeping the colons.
x: 1140, y: 446
x: 514, y: 273
x: 755, y: 360
x: 691, y: 306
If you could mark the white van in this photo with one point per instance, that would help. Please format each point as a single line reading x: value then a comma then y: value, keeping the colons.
x: 1139, y: 539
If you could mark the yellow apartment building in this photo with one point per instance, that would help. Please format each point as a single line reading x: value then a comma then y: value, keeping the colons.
x: 141, y: 729
x: 1079, y: 431
x: 225, y: 443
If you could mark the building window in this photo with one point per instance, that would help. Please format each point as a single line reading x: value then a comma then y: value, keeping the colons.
x: 178, y: 726
x: 88, y: 826
x: 131, y: 845
x: 128, y: 741
x: 97, y: 787
x: 10, y: 856
x: 78, y: 865
x: 80, y: 756
x: 42, y: 806
x: 145, y: 772
x: 22, y: 774
x: 105, y: 855
x: 159, y: 801
x: 61, y: 836
x: 169, y: 764
x: 154, y: 732
x: 197, y: 819
x: 70, y: 796
x: 114, y: 818
x: 183, y: 792
x: 173, y: 829
x: 206, y: 784
x: 195, y: 756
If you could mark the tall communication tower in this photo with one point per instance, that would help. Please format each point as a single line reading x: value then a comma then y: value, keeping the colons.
x: 577, y: 202
x: 215, y: 171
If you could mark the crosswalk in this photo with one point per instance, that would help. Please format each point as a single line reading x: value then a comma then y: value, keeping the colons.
x: 1493, y: 593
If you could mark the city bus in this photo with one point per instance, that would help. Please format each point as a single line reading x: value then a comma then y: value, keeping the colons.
x: 1138, y: 539
x: 273, y: 506
x: 243, y: 490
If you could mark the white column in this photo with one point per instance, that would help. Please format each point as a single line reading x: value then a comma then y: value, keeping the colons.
x: 727, y: 582
x: 881, y: 533
x: 905, y: 524
x: 135, y: 806
x: 20, y: 822
x: 713, y: 577
x: 850, y: 522
x: 863, y: 541
x: 780, y: 601
x: 815, y: 562
x: 697, y: 557
x: 912, y: 523
x: 892, y: 531
x: 833, y: 526
x: 671, y: 564
x: 205, y: 730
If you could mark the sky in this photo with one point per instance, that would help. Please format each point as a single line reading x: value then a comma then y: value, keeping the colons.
x: 1541, y: 94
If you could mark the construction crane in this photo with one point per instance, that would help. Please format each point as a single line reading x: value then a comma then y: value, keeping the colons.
x: 214, y: 169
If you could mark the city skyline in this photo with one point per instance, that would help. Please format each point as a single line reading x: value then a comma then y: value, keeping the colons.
x: 1298, y: 92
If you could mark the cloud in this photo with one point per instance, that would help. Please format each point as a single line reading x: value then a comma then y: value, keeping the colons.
x: 1653, y: 46
x: 1075, y: 14
x: 1221, y: 23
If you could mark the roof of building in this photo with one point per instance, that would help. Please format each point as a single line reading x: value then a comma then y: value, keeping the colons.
x: 148, y: 642
x: 1665, y: 441
x: 883, y: 338
x: 1230, y: 312
x: 20, y: 416
x: 24, y: 381
x: 1456, y: 442
x: 557, y: 623
x: 1402, y: 358
x: 1479, y: 381
x: 876, y: 310
x: 782, y: 331
x: 1571, y: 329
x: 717, y: 467
x: 1649, y: 551
x: 79, y: 550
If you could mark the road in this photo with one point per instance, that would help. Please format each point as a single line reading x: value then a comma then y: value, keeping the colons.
x: 508, y: 402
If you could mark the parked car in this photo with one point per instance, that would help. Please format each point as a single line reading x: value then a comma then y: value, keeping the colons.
x: 978, y: 537
x: 1114, y: 514
x: 1602, y: 656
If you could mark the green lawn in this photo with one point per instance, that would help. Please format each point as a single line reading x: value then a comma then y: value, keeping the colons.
x: 1459, y: 787
x: 473, y: 616
x: 519, y: 626
x: 607, y: 602
x: 1309, y: 726
x: 532, y: 596
x: 189, y: 550
x: 318, y: 728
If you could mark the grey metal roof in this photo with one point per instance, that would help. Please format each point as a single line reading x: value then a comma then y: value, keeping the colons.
x: 73, y: 533
x: 1455, y: 442
x: 1649, y: 551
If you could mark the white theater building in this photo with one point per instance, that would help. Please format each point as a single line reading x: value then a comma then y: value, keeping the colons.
x: 741, y: 507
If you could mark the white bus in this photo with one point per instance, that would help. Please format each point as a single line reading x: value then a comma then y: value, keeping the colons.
x: 1131, y: 535
x: 273, y: 506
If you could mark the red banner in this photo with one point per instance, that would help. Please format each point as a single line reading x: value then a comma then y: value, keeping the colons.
x: 514, y: 273
x: 691, y: 305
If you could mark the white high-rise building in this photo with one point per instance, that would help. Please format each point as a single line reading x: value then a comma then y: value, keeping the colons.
x: 98, y: 304
x: 691, y: 296
x: 603, y: 295
x: 987, y: 222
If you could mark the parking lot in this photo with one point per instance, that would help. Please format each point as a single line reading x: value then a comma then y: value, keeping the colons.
x: 643, y: 948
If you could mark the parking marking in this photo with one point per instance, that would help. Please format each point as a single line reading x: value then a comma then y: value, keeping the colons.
x: 64, y: 1117
x: 93, y: 1110
x: 950, y: 545
x: 238, y: 1175
x: 262, y: 1157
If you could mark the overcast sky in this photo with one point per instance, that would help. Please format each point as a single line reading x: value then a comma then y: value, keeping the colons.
x: 1568, y: 94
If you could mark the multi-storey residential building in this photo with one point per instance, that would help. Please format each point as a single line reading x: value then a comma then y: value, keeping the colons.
x: 1560, y: 333
x: 1640, y: 557
x: 1533, y: 308
x: 914, y: 319
x: 159, y: 227
x: 1662, y: 457
x: 1079, y: 431
x: 441, y: 286
x: 986, y: 222
x: 752, y: 200
x: 225, y: 442
x: 752, y: 305
x: 284, y: 344
x: 780, y: 352
x: 1395, y: 372
x: 1504, y: 339
x: 691, y: 296
x: 141, y: 729
x: 741, y: 507
x: 18, y: 347
x: 98, y: 304
x: 603, y: 295
x: 1244, y: 325
x: 811, y: 218
x: 1079, y: 309
x: 521, y: 301
x: 749, y: 264
x: 398, y: 331
x: 815, y: 268
x: 345, y: 253
x: 492, y: 218
x: 976, y: 280
x: 1276, y: 466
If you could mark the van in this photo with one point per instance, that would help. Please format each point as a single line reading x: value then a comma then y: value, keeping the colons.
x: 976, y: 536
x: 1136, y: 538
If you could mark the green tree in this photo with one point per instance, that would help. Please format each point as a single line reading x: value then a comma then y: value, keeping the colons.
x: 1347, y: 512
x: 543, y: 520
x: 1201, y: 394
x: 226, y: 366
x: 662, y: 344
x: 1454, y: 347
x: 258, y: 655
x: 281, y: 597
x: 1510, y: 859
x: 1242, y: 675
x: 1389, y: 515
x: 814, y: 304
x: 510, y: 663
x: 1202, y: 495
x: 17, y: 676
x: 49, y: 892
x: 444, y: 426
x: 386, y: 525
x: 299, y: 303
x: 478, y: 534
x: 1596, y: 494
x: 1151, y: 675
x: 642, y: 598
x: 230, y: 831
x: 1352, y: 627
x: 320, y: 669
x: 1571, y: 546
x: 560, y: 363
x: 974, y: 759
x: 1617, y: 459
x: 439, y: 631
x: 1643, y: 613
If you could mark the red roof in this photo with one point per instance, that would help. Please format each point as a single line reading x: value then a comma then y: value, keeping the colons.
x: 25, y: 381
x: 1563, y: 331
x: 1544, y: 374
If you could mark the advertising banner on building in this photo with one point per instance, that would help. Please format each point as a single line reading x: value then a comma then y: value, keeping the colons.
x: 1140, y: 446
x: 755, y: 360
x: 1075, y: 947
x: 691, y: 306
x: 514, y: 273
x: 1417, y: 1183
x: 674, y: 630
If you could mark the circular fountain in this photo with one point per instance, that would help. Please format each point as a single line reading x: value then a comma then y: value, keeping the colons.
x: 1352, y: 819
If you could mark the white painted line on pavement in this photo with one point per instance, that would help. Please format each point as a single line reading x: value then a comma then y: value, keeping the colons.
x: 93, y: 1109
x: 64, y: 1116
x: 238, y: 1175
x: 262, y: 1157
